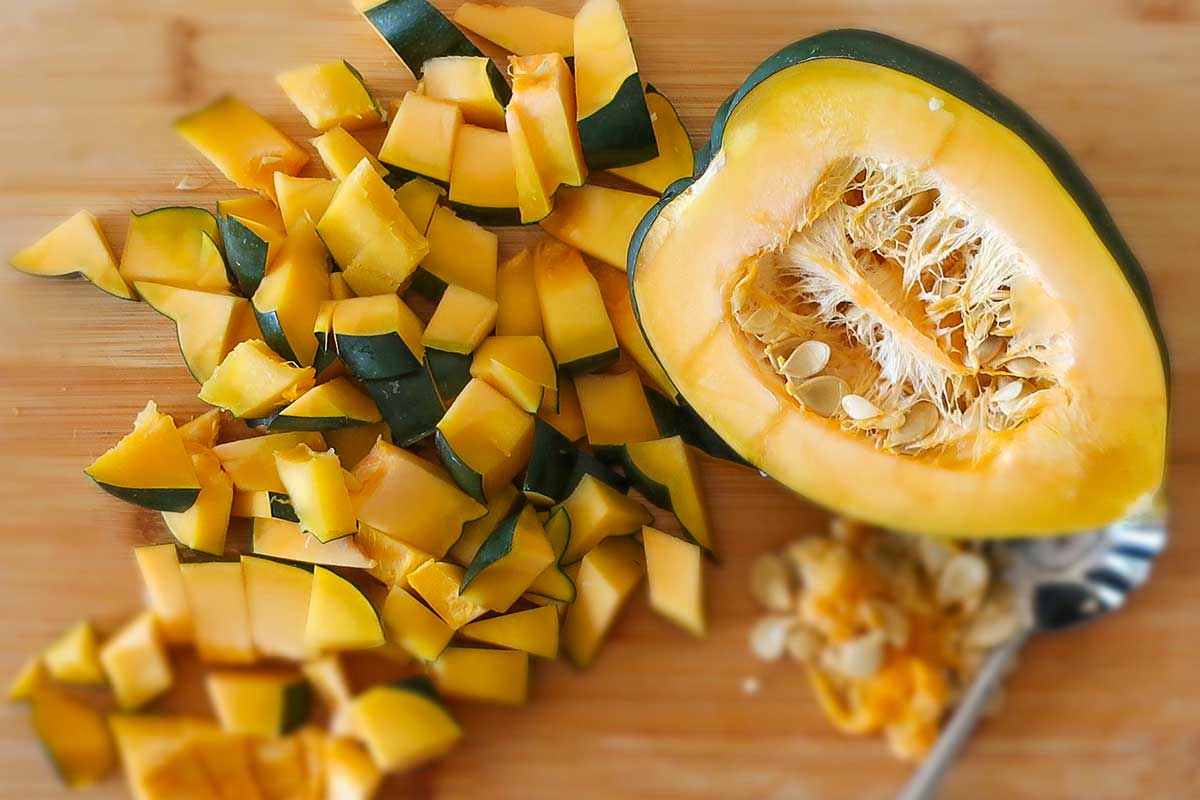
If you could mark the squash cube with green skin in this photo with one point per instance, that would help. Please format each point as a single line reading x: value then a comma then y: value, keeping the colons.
x: 470, y: 83
x: 666, y: 473
x: 483, y: 187
x: 556, y: 466
x: 149, y: 467
x: 250, y: 249
x: 534, y: 631
x: 460, y: 322
x: 523, y: 30
x: 404, y: 725
x: 259, y: 704
x: 251, y: 462
x: 607, y: 577
x: 207, y: 324
x: 334, y: 405
x: 331, y: 95
x: 409, y: 624
x: 288, y: 299
x: 675, y: 159
x: 340, y: 617
x: 501, y: 504
x: 378, y: 337
x: 521, y: 368
x: 75, y: 247
x: 74, y: 657
x: 508, y: 562
x: 216, y: 595
x: 598, y: 511
x: 488, y: 676
x: 411, y: 404
x: 277, y: 597
x: 439, y: 584
x: 394, y: 559
x: 576, y: 323
x: 203, y: 526
x: 484, y: 440
x: 254, y: 207
x: 555, y: 584
x: 461, y: 253
x: 282, y: 539
x: 175, y: 246
x: 317, y: 487
x: 421, y: 139
x: 253, y: 381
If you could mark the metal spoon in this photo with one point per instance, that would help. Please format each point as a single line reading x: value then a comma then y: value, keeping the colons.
x: 1059, y: 582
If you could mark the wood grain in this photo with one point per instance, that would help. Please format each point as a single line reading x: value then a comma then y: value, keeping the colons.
x: 89, y: 88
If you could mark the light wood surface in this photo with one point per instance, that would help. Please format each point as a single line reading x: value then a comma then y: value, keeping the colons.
x: 88, y: 89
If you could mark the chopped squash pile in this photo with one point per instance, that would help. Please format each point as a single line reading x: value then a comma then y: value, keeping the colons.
x: 428, y: 445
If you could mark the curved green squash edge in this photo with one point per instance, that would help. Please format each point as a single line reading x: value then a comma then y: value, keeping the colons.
x: 470, y: 481
x: 955, y: 79
x: 620, y: 133
x: 167, y: 500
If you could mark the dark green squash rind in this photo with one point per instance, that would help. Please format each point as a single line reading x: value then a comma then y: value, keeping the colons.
x: 245, y: 255
x: 496, y: 546
x: 621, y: 133
x: 470, y: 481
x: 281, y: 507
x: 273, y: 335
x: 377, y: 357
x: 170, y: 500
x: 592, y: 363
x: 490, y: 216
x: 556, y: 466
x: 409, y: 404
x: 297, y: 704
x: 426, y: 284
x: 451, y: 372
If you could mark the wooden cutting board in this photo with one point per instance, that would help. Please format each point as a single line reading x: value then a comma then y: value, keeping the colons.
x: 88, y: 89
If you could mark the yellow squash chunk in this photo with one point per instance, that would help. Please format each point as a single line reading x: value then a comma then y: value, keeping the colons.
x: 615, y: 412
x: 341, y: 153
x: 520, y: 314
x: 483, y: 182
x: 439, y: 584
x: 461, y: 321
x: 158, y: 757
x: 75, y: 247
x: 74, y: 736
x: 598, y: 220
x: 31, y: 675
x: 418, y: 199
x: 350, y: 774
x: 393, y: 558
x: 334, y: 405
x: 159, y: 568
x: 288, y: 299
x: 136, y: 662
x: 378, y: 337
x: 404, y: 725
x: 280, y: 767
x: 523, y: 30
x: 261, y: 704
x: 461, y: 253
x: 225, y: 759
x: 534, y: 631
x: 607, y: 577
x: 255, y: 208
x: 216, y: 594
x: 507, y: 562
x: 317, y: 487
x: 202, y: 429
x: 251, y: 462
x: 203, y: 526
x: 206, y: 323
x: 568, y: 419
x: 675, y: 575
x: 279, y: 538
x: 486, y: 676
x: 149, y: 466
x: 330, y: 95
x: 614, y: 288
x: 353, y: 444
x: 303, y: 201
x: 521, y: 368
x: 501, y: 504
x: 413, y: 627
x: 247, y: 148
x: 541, y: 127
x: 465, y: 81
x: 410, y: 499
x: 74, y: 657
x: 176, y: 246
x: 666, y: 472
x: 675, y: 157
x: 369, y: 236
x: 484, y: 439
x: 598, y: 511
x: 253, y: 381
x: 576, y: 323
x: 422, y: 137
x: 277, y: 596
x: 340, y: 616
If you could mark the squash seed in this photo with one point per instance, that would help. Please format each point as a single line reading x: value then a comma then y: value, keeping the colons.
x: 859, y: 408
x: 859, y: 658
x: 1009, y: 392
x: 768, y: 637
x: 996, y: 623
x: 822, y: 395
x: 1024, y: 367
x: 761, y: 321
x: 770, y: 582
x: 807, y: 360
x: 922, y: 418
x: 963, y: 580
x: 988, y: 349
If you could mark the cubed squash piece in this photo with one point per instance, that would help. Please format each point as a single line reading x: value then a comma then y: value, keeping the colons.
x: 404, y: 725
x: 486, y: 676
x: 520, y: 314
x: 254, y: 207
x: 340, y: 617
x: 158, y: 756
x: 607, y: 577
x: 576, y: 323
x: 332, y: 406
x: 422, y: 138
x: 470, y: 82
x: 408, y: 623
x: 451, y: 373
x: 533, y: 631
x: 216, y: 594
x: 225, y: 759
x: 159, y: 568
x: 501, y: 504
x: 418, y: 198
x: 280, y: 767
x: 568, y: 419
x: 288, y: 299
x: 519, y: 367
x: 247, y: 148
x: 368, y: 235
x: 203, y: 526
x: 508, y: 562
x: 332, y: 94
x: 207, y: 324
x: 250, y: 249
x: 73, y: 735
x: 270, y: 505
x: 251, y: 462
x: 303, y: 201
x: 149, y: 467
x: 341, y: 153
x: 393, y: 558
x: 350, y: 774
x: 675, y: 573
x: 277, y: 596
x: 260, y: 704
x: 598, y: 511
x: 556, y: 466
x: 202, y: 429
x: 484, y: 440
x: 524, y: 30
x: 74, y: 657
x: 378, y: 337
x: 416, y: 31
x: 75, y: 247
x: 135, y: 661
x: 278, y: 538
x: 675, y: 159
x: 614, y: 287
x: 483, y: 181
x: 439, y: 584
x: 461, y: 321
x: 253, y: 380
x: 460, y: 253
x: 598, y: 220
x: 317, y: 487
x: 615, y: 412
x: 175, y: 246
x: 666, y: 473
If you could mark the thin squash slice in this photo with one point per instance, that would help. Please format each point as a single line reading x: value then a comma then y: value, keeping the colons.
x: 251, y: 462
x: 331, y: 95
x: 451, y: 373
x: 393, y: 558
x: 521, y: 368
x: 206, y: 323
x: 216, y: 594
x: 598, y: 220
x: 418, y: 199
x: 149, y: 467
x: 598, y: 511
x: 666, y: 473
x: 483, y: 182
x: 336, y: 404
x: 74, y: 736
x: 614, y: 288
x: 556, y: 466
x: 410, y: 499
x: 176, y: 246
x: 253, y: 381
x: 281, y: 539
x: 568, y: 419
x: 135, y: 662
x: 675, y: 159
x: 520, y: 314
x: 533, y: 631
x: 473, y: 83
x: 607, y: 578
x: 368, y: 235
x: 675, y: 574
x: 317, y: 488
x: 614, y: 121
x: 486, y: 676
x: 576, y: 324
x: 74, y: 657
x: 250, y: 249
x: 350, y: 774
x: 260, y: 704
x: 159, y: 567
x: 439, y: 584
x: 253, y: 207
x: 75, y: 247
x: 615, y: 412
x: 287, y: 301
x: 411, y: 404
x: 340, y: 617
x: 523, y: 30
x: 404, y: 724
x: 461, y: 321
x: 341, y: 153
x: 461, y: 253
x: 501, y: 504
x: 484, y: 440
x: 353, y: 443
x: 265, y: 505
x: 247, y: 148
x: 556, y: 585
x: 203, y: 526
x: 542, y: 129
x: 378, y: 337
x: 422, y: 138
x: 507, y: 562
x: 413, y: 627
x: 277, y: 596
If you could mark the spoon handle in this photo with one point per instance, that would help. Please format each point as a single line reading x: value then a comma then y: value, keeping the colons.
x: 925, y: 782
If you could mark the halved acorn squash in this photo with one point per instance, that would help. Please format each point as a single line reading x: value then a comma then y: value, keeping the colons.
x: 894, y: 292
